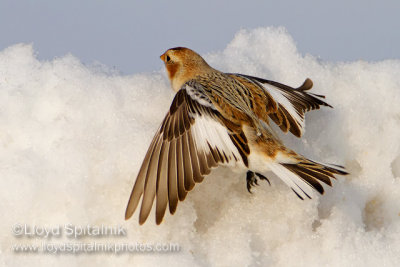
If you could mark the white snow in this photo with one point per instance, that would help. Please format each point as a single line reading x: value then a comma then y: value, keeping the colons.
x: 73, y: 136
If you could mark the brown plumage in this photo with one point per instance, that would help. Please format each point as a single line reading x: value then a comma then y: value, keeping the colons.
x: 223, y: 118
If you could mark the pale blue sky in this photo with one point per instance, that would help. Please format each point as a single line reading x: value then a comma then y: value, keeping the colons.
x: 130, y: 35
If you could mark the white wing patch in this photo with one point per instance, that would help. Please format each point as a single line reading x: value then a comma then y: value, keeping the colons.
x: 282, y: 99
x: 210, y: 133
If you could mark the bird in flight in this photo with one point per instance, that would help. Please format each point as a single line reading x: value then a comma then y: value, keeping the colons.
x: 219, y: 118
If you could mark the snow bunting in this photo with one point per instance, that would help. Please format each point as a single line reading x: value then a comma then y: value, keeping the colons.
x: 221, y: 118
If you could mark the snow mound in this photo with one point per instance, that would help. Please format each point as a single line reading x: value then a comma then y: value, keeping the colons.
x: 73, y: 136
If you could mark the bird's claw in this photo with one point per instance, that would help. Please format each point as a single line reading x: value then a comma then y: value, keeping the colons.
x: 251, y: 178
x: 262, y: 177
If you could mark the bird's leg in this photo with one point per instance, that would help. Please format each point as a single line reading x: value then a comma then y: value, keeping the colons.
x: 252, y: 179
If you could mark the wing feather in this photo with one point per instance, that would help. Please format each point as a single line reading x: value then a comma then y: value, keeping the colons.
x: 162, y: 183
x: 197, y: 175
x: 192, y: 139
x: 172, y: 178
x: 151, y: 182
x: 181, y: 175
x: 188, y: 168
x: 138, y: 189
x: 286, y: 106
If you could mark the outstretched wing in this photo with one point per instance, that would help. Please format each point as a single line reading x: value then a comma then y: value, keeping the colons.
x: 192, y: 139
x: 287, y: 105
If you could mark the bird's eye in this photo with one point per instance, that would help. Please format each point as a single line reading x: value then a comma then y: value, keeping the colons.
x: 168, y: 59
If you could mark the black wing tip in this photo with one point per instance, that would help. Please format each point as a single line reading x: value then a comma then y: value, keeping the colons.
x: 307, y: 85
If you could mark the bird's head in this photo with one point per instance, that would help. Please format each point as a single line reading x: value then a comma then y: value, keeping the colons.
x: 183, y: 64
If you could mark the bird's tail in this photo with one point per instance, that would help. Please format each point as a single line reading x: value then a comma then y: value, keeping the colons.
x: 306, y: 175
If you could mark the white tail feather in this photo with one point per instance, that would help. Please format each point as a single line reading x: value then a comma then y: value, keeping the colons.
x: 294, y: 181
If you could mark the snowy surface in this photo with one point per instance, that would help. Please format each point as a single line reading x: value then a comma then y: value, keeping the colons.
x: 73, y: 136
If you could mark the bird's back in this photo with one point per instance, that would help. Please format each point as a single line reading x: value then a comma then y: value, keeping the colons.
x: 235, y: 100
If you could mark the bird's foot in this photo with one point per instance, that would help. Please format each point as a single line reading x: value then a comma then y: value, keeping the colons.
x: 252, y: 179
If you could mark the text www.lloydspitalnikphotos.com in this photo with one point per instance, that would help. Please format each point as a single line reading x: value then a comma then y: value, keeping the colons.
x: 75, y: 233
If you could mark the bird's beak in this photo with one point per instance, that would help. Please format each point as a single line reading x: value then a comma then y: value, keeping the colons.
x: 163, y: 57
